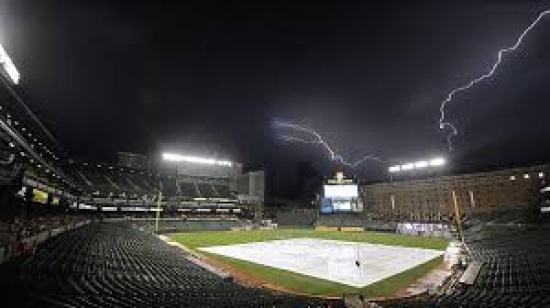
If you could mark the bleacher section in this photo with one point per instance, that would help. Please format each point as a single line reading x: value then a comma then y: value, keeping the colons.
x: 20, y: 236
x: 106, y: 265
x: 341, y: 220
x: 188, y: 189
x: 299, y: 218
x: 167, y: 225
x: 206, y: 191
x: 102, y: 181
x: 505, y: 216
x: 223, y: 191
x: 7, y: 163
x: 110, y: 181
x: 331, y: 221
x: 515, y: 272
x: 169, y: 187
x: 352, y: 221
x: 380, y: 225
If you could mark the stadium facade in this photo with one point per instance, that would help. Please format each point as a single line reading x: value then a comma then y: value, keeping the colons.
x: 133, y: 160
x: 251, y: 187
x: 476, y: 193
x: 186, y: 187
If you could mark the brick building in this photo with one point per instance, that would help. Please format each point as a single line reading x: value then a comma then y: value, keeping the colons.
x: 431, y: 198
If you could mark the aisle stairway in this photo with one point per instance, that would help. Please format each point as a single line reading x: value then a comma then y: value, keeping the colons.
x: 515, y: 273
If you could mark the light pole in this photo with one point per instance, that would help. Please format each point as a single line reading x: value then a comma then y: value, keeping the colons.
x: 409, y: 167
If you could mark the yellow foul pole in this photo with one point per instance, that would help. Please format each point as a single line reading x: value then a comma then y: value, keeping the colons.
x: 457, y: 217
x: 159, y: 199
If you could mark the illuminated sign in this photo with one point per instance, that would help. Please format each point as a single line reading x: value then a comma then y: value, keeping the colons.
x: 339, y: 178
x: 342, y: 181
x: 39, y: 196
x: 332, y: 191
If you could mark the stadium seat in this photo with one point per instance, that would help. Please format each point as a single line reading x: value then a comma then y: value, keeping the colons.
x: 515, y: 273
x: 111, y: 265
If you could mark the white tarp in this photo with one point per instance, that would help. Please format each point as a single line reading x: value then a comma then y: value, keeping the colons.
x: 330, y: 260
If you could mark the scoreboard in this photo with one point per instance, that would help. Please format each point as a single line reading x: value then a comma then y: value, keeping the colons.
x: 340, y: 195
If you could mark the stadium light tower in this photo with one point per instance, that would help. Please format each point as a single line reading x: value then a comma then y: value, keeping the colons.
x: 395, y: 168
x: 8, y: 66
x: 436, y: 162
x: 195, y: 159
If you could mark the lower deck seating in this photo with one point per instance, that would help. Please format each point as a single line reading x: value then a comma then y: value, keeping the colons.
x: 179, y: 225
x: 107, y: 265
x: 380, y: 226
x: 469, y: 276
x: 342, y: 220
x: 515, y: 272
x: 353, y: 220
x: 329, y: 220
x: 296, y: 218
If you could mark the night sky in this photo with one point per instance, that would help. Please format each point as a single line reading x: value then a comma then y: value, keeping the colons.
x: 210, y: 77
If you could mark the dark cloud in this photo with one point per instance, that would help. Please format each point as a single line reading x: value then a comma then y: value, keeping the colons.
x: 210, y: 77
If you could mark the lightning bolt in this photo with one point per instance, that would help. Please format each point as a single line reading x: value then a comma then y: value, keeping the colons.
x: 365, y: 158
x: 317, y: 139
x: 443, y: 123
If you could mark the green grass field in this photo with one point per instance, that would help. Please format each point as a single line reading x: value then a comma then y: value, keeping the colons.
x: 305, y: 284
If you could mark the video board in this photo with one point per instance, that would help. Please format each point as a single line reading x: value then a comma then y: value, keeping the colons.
x: 340, y: 195
x: 341, y: 191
